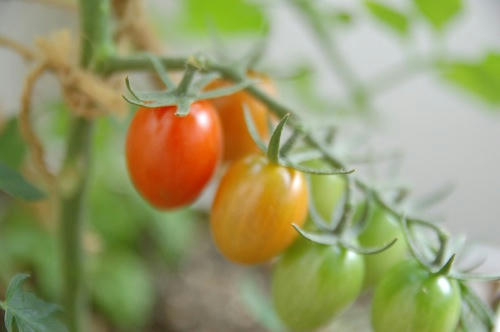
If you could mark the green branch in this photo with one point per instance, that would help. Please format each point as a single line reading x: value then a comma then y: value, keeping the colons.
x: 96, y: 45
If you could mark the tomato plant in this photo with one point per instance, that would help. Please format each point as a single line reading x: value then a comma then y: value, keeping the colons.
x: 255, y: 205
x: 66, y: 159
x: 381, y: 228
x: 312, y: 283
x: 410, y: 298
x: 171, y: 158
x: 237, y: 141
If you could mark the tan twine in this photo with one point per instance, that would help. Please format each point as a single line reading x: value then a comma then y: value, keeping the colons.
x: 134, y: 27
x: 87, y: 94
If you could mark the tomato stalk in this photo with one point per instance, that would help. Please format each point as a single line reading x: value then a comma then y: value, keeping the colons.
x: 95, y: 45
x: 335, y: 59
x: 186, y: 79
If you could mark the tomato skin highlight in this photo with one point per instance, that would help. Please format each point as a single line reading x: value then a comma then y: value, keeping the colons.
x: 411, y: 299
x: 254, y: 208
x: 381, y: 229
x: 312, y: 283
x: 237, y: 141
x: 171, y: 159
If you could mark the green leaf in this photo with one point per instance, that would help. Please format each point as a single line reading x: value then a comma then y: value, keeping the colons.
x: 227, y: 17
x: 273, y: 149
x: 162, y: 73
x: 321, y: 238
x: 27, y: 312
x: 316, y: 171
x: 252, y: 129
x: 368, y: 251
x: 14, y: 184
x: 340, y: 17
x: 481, y: 78
x: 439, y: 12
x: 388, y: 16
x: 12, y: 146
x: 123, y: 289
x: 225, y: 91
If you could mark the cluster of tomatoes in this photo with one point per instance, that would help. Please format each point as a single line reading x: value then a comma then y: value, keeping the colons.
x: 171, y: 159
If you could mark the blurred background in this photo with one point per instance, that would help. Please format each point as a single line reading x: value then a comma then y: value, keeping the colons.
x: 431, y: 130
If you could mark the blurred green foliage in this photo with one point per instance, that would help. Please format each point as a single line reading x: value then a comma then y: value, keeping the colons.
x: 390, y: 17
x: 439, y: 12
x: 119, y: 222
x: 233, y: 17
x: 12, y: 146
x: 13, y: 183
x: 481, y: 78
x: 122, y: 288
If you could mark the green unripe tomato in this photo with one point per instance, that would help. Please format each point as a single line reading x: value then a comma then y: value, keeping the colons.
x: 326, y: 190
x: 411, y: 299
x: 312, y: 283
x: 381, y: 229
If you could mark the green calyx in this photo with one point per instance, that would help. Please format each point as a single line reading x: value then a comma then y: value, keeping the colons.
x: 331, y: 239
x: 277, y: 153
x: 188, y: 91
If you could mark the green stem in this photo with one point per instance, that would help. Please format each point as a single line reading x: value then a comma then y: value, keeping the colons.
x: 327, y: 43
x: 183, y: 86
x: 95, y: 46
x: 77, y: 163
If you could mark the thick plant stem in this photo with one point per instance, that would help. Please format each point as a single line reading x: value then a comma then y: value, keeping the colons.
x: 96, y: 43
x: 77, y: 162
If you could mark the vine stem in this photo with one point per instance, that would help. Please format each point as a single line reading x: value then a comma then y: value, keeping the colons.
x: 327, y: 43
x: 95, y: 41
x: 138, y: 62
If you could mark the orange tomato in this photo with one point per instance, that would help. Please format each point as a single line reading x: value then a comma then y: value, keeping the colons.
x: 237, y: 141
x: 170, y: 158
x: 254, y: 208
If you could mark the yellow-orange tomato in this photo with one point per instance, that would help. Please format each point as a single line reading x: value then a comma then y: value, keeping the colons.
x: 237, y: 141
x: 254, y: 208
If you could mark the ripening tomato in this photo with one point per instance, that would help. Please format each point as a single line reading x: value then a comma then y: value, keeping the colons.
x: 326, y: 190
x: 254, y: 208
x: 381, y: 229
x: 237, y: 141
x: 312, y: 283
x: 170, y: 158
x: 409, y: 298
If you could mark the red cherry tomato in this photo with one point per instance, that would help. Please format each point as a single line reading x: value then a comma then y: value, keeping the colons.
x: 254, y: 208
x: 170, y: 158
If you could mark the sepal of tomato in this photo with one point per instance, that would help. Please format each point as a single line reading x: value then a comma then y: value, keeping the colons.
x: 312, y: 283
x: 170, y: 158
x: 238, y: 142
x: 409, y: 298
x: 254, y: 208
